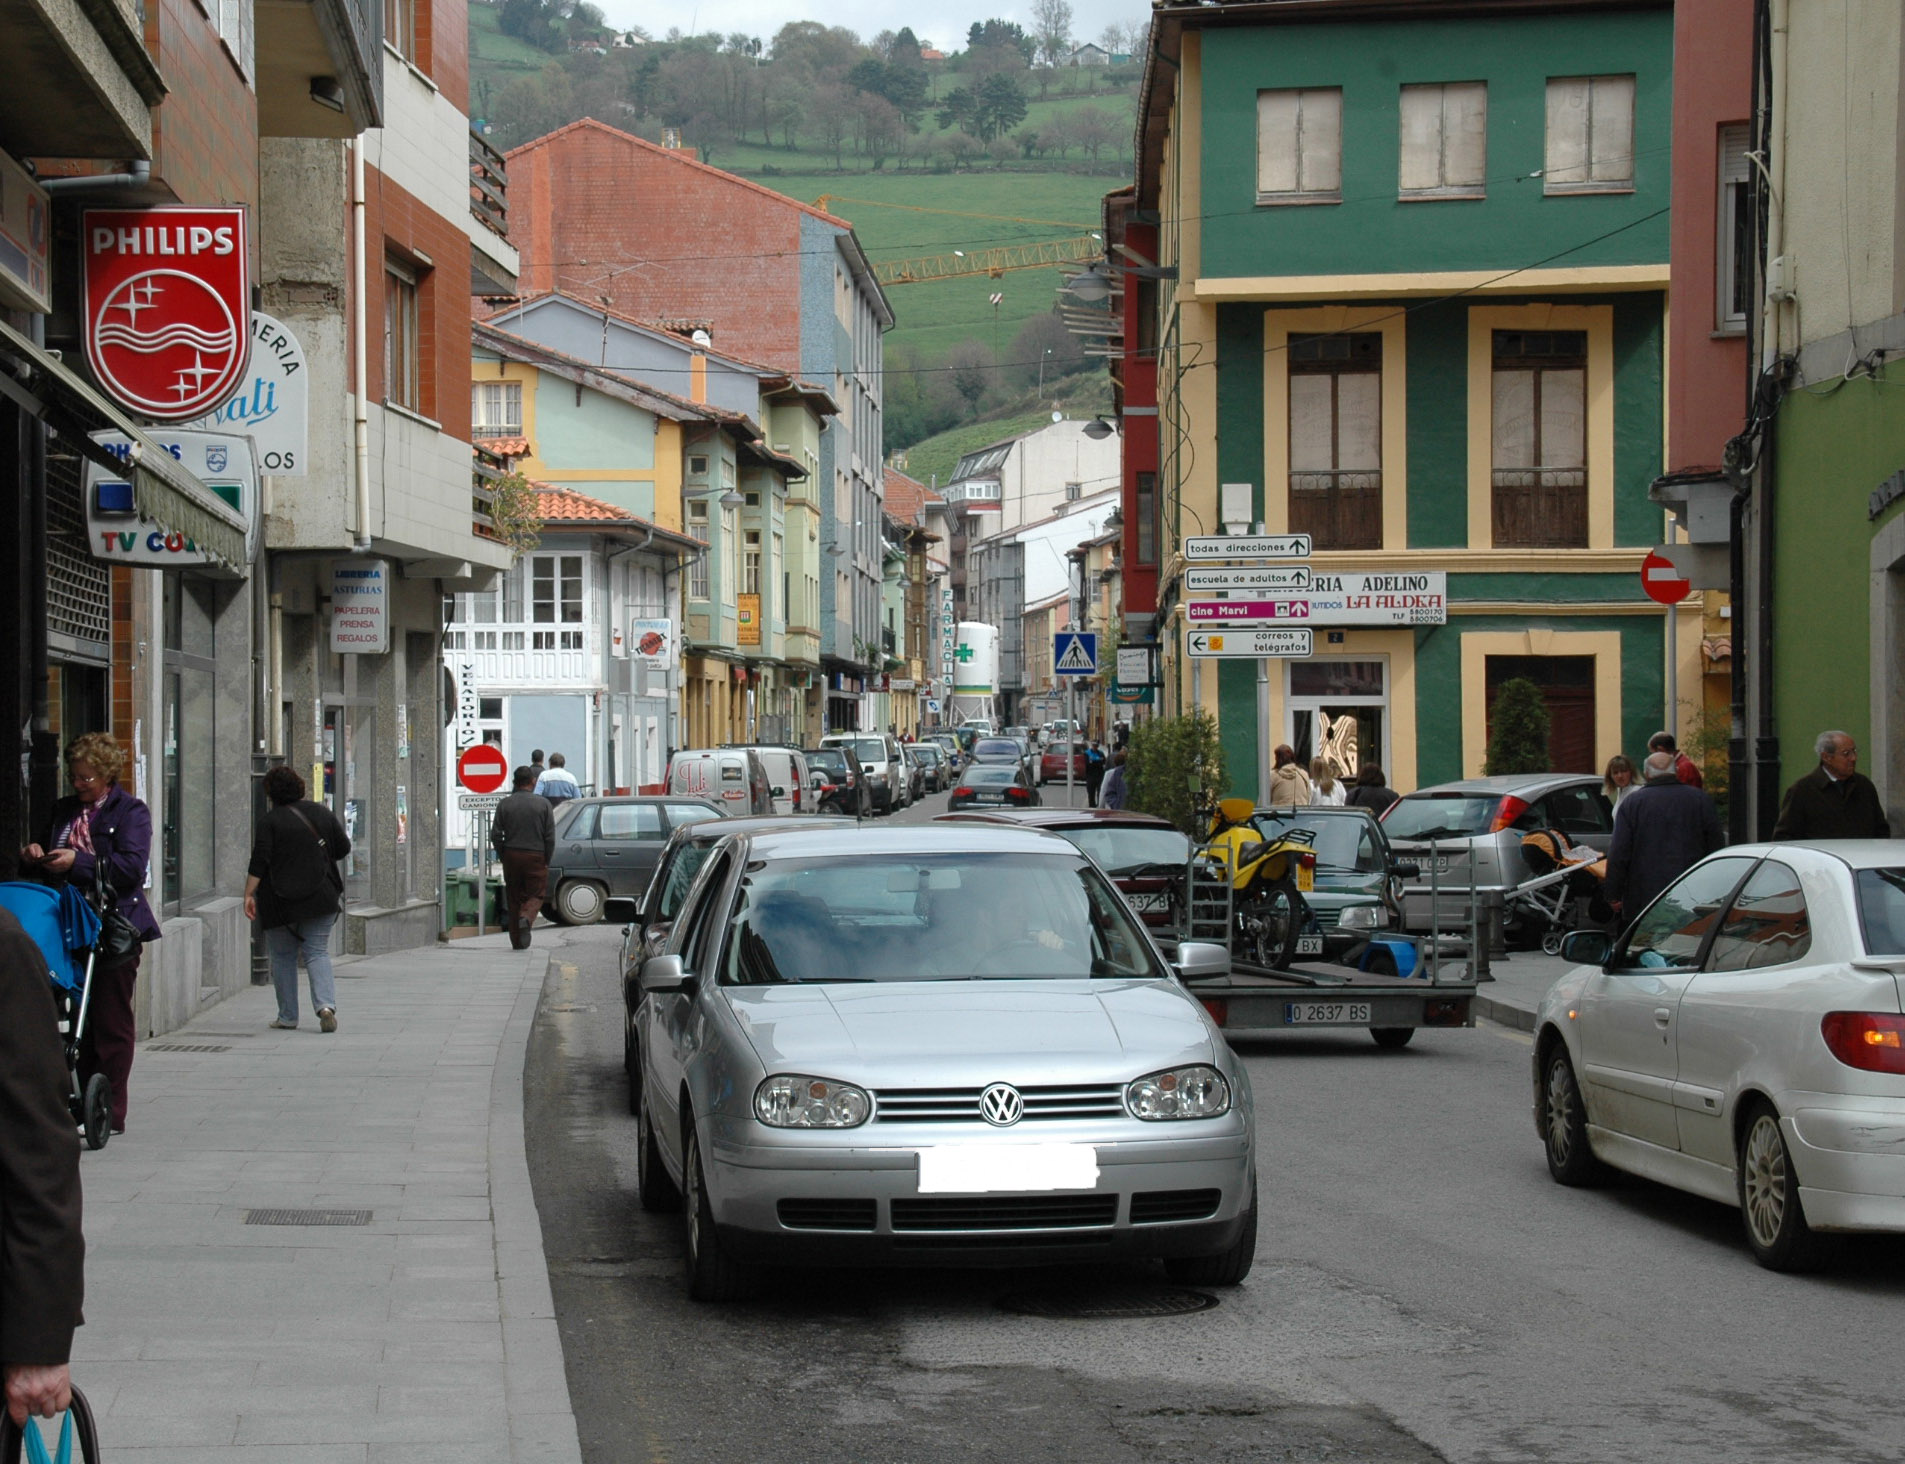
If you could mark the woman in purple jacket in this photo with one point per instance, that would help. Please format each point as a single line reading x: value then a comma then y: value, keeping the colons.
x: 102, y: 835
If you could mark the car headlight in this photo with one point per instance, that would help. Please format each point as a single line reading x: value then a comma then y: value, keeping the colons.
x: 1186, y: 1092
x: 1363, y: 917
x: 794, y: 1100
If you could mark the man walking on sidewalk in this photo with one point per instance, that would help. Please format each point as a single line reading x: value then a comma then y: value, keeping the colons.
x: 524, y: 833
x: 42, y: 1250
x: 1835, y: 800
x: 1665, y: 828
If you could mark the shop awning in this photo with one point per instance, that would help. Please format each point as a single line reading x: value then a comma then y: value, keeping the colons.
x: 162, y: 490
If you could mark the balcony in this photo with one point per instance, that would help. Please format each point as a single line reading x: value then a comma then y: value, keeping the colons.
x: 1338, y: 509
x: 80, y: 83
x: 494, y: 261
x: 1540, y: 508
x: 320, y: 67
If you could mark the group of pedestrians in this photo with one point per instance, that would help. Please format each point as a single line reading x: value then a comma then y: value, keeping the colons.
x: 1323, y: 785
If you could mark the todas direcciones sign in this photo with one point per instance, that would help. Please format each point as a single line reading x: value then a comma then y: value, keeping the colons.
x: 167, y: 306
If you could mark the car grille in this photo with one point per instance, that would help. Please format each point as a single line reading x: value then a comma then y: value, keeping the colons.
x: 987, y: 1212
x: 961, y: 1105
x: 1158, y: 1206
x: 828, y: 1214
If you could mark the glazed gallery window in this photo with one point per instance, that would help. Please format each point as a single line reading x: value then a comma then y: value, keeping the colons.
x: 1444, y: 140
x: 698, y: 566
x: 1147, y: 494
x: 1336, y: 439
x: 1590, y: 135
x: 496, y: 409
x: 1300, y: 145
x: 751, y: 564
x: 555, y: 602
x: 402, y: 366
x: 1734, y: 254
x: 400, y: 27
x: 1539, y: 465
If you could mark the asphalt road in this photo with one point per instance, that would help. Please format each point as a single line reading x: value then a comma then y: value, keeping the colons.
x: 1422, y: 1291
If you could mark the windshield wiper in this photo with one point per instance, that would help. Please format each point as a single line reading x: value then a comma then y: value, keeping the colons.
x: 1432, y: 834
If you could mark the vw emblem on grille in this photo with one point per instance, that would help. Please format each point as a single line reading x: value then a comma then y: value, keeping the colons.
x: 1002, y: 1105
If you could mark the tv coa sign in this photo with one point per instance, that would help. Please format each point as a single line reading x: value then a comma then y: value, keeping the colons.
x: 167, y: 306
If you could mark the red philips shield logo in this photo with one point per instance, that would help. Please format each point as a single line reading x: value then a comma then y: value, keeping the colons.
x: 168, y: 307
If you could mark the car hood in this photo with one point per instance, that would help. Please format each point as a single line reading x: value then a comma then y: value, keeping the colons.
x: 928, y: 1033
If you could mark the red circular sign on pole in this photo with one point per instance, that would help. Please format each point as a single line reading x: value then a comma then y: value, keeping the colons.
x: 1662, y: 581
x: 482, y: 768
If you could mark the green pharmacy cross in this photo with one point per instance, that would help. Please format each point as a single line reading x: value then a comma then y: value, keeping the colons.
x: 963, y: 654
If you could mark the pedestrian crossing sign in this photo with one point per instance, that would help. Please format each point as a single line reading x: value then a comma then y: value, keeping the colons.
x: 1075, y: 653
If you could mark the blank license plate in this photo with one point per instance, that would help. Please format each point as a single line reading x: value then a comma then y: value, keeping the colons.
x: 1309, y: 945
x: 978, y: 1169
x: 1325, y: 1013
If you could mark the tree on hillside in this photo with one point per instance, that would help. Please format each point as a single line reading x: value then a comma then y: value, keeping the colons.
x: 1052, y: 29
x: 1001, y: 106
x: 1093, y: 130
x: 822, y: 51
x: 831, y: 112
x: 786, y: 102
x: 1044, y: 341
x: 538, y: 22
x: 1002, y: 34
x: 972, y: 369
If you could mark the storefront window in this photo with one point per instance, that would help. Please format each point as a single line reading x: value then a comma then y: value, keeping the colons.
x: 190, y: 742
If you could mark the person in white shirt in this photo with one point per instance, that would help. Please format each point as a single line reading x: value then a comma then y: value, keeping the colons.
x: 1325, y: 789
x: 557, y: 783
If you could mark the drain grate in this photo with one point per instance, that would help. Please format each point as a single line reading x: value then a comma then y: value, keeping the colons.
x: 1108, y: 1304
x: 307, y: 1217
x: 187, y: 1047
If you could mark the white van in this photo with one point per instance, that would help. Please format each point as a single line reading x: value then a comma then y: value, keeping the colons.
x: 732, y: 777
x: 788, y: 782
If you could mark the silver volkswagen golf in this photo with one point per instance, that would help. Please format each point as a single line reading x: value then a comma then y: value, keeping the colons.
x: 933, y: 1046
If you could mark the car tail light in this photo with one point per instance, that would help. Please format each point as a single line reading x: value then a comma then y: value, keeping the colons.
x: 962, y: 792
x: 1505, y: 816
x: 1218, y: 1008
x: 1873, y: 1041
x: 1018, y: 795
x: 1448, y: 1012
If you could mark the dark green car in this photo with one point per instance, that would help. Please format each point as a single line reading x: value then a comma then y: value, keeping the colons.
x: 1357, y: 893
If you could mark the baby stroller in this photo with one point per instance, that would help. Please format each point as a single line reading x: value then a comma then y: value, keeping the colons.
x: 1563, y: 892
x: 66, y: 929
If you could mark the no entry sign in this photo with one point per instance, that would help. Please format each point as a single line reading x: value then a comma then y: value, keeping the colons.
x: 482, y: 768
x: 1663, y: 583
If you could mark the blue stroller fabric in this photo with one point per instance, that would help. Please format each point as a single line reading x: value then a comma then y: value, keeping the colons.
x: 60, y: 923
x: 36, y: 1443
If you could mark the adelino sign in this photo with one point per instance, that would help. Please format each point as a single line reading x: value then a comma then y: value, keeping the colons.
x: 166, y: 307
x: 114, y: 530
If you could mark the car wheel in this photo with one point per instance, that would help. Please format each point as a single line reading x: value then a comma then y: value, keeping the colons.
x: 1775, y: 1219
x: 713, y: 1275
x: 654, y: 1188
x: 1392, y: 1039
x: 1274, y: 918
x: 1564, y: 1124
x: 579, y: 902
x: 1226, y: 1267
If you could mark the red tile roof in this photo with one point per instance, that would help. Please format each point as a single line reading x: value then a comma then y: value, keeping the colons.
x: 506, y: 447
x: 906, y: 498
x: 560, y: 505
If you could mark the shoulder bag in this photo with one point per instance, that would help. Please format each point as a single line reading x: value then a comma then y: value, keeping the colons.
x: 119, y: 938
x: 324, y: 844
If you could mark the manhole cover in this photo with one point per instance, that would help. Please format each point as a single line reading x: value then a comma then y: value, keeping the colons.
x: 1101, y: 1304
x: 187, y: 1047
x: 307, y: 1217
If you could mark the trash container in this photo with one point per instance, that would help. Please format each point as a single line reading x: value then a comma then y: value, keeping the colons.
x: 461, y: 897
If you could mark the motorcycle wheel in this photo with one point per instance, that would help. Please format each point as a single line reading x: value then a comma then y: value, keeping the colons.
x: 1273, y: 919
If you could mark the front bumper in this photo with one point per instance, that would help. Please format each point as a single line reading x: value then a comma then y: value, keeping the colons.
x: 847, y: 1200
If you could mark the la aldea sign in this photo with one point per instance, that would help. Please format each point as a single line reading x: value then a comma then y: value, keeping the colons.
x: 1339, y: 599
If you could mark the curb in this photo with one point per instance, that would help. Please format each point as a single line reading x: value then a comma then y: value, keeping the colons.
x: 1503, y: 1014
x: 542, y: 1424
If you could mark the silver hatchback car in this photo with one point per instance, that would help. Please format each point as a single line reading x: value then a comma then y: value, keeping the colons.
x: 933, y: 1046
x: 1469, y: 834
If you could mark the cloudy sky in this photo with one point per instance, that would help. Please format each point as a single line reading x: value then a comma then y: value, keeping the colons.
x: 764, y: 17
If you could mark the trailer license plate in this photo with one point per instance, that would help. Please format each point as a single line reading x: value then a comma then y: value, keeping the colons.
x: 1146, y: 903
x: 1325, y: 1013
x: 1309, y: 945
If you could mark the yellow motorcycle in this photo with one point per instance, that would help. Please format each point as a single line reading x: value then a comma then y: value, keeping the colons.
x: 1268, y: 878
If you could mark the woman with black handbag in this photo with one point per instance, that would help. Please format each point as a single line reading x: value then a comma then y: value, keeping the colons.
x: 100, y: 839
x: 293, y: 889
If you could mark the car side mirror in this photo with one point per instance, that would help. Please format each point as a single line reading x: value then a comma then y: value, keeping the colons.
x: 1405, y: 869
x: 664, y: 976
x: 1587, y: 947
x: 1201, y: 960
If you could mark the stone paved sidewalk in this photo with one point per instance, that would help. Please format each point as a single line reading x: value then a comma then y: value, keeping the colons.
x: 426, y: 1334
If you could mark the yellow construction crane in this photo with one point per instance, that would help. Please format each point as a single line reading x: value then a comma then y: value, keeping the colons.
x: 992, y: 262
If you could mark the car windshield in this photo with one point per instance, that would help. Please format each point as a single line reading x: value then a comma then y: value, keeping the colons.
x: 1440, y: 815
x: 934, y: 917
x: 1057, y: 749
x: 1882, y: 910
x: 992, y: 777
x: 1123, y: 851
x: 869, y: 750
x: 827, y: 761
x: 1344, y: 844
x: 680, y: 873
x: 996, y: 747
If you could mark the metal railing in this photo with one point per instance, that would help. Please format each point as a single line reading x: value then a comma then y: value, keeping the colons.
x: 489, y: 186
x: 1343, y: 480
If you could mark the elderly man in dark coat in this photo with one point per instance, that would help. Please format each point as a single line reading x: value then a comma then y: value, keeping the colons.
x: 1835, y: 800
x: 1661, y: 830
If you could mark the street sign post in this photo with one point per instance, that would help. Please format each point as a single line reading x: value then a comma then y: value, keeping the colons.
x: 482, y: 768
x: 1279, y: 577
x: 1075, y: 653
x: 1251, y: 645
x: 1209, y: 548
x: 1251, y: 612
